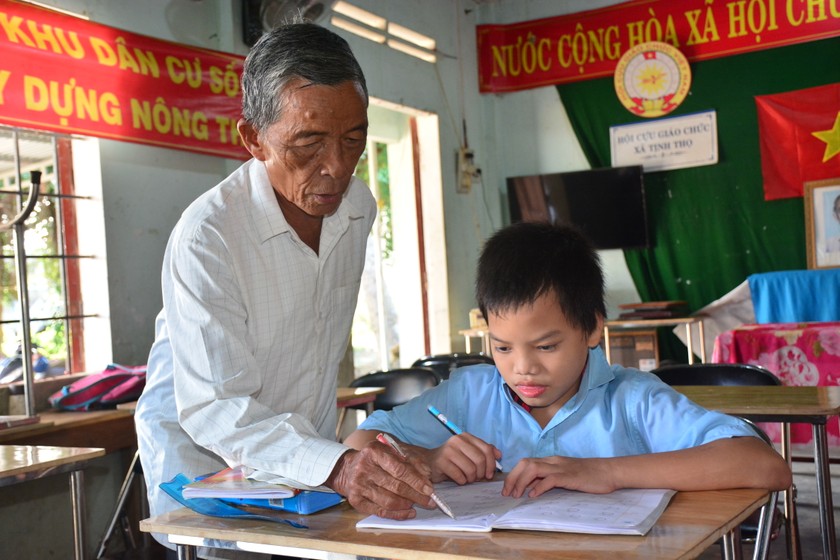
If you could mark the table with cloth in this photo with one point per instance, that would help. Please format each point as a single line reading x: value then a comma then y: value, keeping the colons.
x: 799, y: 354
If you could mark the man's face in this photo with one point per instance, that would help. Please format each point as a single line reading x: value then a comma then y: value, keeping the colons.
x: 310, y: 153
x: 540, y: 355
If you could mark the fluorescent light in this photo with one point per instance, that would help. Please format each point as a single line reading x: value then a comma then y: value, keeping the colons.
x: 55, y: 9
x: 411, y: 36
x: 358, y: 29
x: 413, y: 51
x: 353, y: 12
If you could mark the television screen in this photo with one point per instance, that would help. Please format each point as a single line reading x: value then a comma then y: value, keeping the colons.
x: 607, y: 204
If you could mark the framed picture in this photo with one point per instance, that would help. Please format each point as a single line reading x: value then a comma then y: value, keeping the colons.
x: 822, y: 223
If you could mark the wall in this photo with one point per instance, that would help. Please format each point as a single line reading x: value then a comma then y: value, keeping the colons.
x: 519, y: 133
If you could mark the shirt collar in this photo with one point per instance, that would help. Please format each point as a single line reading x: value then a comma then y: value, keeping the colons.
x: 268, y: 217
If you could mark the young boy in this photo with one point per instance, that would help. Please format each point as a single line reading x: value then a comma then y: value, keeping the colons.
x: 552, y: 410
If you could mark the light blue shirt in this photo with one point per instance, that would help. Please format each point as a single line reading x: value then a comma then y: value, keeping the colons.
x: 618, y: 411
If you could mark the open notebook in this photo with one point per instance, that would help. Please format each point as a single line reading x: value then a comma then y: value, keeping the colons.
x: 481, y: 507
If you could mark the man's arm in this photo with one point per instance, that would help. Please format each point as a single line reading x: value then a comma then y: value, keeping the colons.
x: 739, y: 462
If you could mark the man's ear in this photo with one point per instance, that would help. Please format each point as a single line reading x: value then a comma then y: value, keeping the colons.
x: 250, y: 139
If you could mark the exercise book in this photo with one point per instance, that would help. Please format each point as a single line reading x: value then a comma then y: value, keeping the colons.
x: 480, y: 507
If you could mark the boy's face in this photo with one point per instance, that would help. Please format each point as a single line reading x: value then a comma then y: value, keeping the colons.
x: 540, y: 355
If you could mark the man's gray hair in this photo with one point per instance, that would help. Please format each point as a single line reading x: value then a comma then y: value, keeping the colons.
x: 296, y: 50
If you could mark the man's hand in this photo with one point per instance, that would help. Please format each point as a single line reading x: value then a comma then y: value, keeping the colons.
x: 377, y: 481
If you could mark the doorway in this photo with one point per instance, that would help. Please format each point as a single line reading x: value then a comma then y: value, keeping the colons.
x: 403, y: 310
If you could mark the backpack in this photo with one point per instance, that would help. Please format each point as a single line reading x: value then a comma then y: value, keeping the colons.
x: 106, y: 389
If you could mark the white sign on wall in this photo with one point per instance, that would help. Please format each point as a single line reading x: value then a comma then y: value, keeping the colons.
x: 672, y: 143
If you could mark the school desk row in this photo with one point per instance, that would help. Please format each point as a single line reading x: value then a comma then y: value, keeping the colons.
x: 690, y: 524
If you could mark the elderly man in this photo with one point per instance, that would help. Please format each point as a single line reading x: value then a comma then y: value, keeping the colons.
x: 260, y: 280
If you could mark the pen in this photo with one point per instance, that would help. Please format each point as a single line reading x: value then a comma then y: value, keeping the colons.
x: 388, y: 440
x: 452, y: 427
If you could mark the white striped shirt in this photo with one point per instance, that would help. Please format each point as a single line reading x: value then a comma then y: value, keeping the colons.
x: 254, y: 324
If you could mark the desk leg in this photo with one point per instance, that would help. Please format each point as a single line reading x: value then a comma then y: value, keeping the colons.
x: 77, y: 496
x: 689, y: 343
x: 607, y: 343
x: 186, y: 552
x: 794, y: 545
x: 702, y: 334
x: 731, y: 545
x: 823, y: 476
x: 468, y: 343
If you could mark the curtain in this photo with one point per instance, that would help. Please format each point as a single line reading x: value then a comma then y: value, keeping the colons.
x: 710, y: 225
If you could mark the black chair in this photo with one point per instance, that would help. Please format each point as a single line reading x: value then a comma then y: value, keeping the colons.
x: 750, y: 376
x: 401, y: 385
x: 716, y: 374
x: 443, y: 364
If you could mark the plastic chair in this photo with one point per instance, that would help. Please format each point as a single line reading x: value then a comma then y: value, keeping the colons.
x: 401, y: 385
x: 443, y: 364
x: 743, y: 375
x: 716, y: 374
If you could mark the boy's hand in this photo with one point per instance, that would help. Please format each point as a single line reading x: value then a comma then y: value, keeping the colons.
x: 462, y: 458
x: 543, y: 474
x: 376, y: 481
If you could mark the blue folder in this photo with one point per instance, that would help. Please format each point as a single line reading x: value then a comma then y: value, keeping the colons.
x: 304, y: 503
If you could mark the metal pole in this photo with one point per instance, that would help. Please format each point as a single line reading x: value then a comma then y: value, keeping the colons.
x: 19, y: 227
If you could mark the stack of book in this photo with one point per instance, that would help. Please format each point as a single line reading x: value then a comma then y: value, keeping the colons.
x: 653, y: 310
x: 233, y: 487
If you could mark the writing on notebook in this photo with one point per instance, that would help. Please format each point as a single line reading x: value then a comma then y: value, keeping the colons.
x: 481, y: 507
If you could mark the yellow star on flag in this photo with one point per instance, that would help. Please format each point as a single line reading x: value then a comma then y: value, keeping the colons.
x: 831, y: 138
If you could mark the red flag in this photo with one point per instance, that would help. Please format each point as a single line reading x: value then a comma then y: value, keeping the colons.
x: 799, y: 135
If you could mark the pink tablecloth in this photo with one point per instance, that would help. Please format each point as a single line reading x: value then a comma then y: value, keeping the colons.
x: 806, y: 354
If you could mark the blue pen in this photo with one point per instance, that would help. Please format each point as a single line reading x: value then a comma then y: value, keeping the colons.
x: 452, y: 427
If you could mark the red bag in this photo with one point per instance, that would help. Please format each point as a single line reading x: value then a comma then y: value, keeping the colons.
x: 115, y: 384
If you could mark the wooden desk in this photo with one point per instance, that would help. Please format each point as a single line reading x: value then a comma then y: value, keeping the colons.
x: 112, y: 430
x: 354, y: 396
x: 481, y: 333
x: 799, y: 354
x: 22, y: 463
x: 692, y: 522
x: 811, y: 405
x: 688, y: 322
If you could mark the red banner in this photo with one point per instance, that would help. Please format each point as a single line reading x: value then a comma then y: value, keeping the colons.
x: 69, y: 75
x: 799, y: 135
x: 588, y: 44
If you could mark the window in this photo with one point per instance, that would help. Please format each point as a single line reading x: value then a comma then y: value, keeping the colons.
x: 55, y: 261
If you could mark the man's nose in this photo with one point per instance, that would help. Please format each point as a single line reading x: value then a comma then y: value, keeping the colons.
x: 337, y: 160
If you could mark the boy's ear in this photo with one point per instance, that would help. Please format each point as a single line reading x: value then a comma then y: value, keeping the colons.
x: 597, y: 333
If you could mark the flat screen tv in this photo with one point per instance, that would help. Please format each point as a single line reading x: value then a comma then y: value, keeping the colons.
x: 607, y: 204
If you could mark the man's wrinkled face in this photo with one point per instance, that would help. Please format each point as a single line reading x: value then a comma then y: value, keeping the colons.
x: 310, y: 153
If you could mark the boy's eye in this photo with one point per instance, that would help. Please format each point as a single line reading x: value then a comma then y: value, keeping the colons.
x: 502, y: 349
x: 546, y: 347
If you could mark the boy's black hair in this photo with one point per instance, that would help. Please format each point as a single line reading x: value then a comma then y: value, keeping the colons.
x: 525, y: 260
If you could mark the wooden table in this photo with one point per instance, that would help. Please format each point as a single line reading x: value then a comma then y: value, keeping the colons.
x: 691, y: 523
x: 653, y: 323
x: 22, y: 463
x: 354, y: 396
x: 811, y: 405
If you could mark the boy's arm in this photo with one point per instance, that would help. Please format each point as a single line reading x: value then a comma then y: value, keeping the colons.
x: 360, y: 438
x: 739, y: 462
